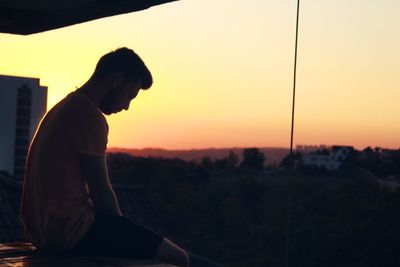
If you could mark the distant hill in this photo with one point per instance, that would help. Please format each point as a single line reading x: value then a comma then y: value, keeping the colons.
x: 272, y: 155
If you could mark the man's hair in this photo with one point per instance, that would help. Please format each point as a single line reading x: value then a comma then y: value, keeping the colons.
x: 126, y: 61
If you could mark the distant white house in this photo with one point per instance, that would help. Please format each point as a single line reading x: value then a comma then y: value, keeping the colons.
x: 331, y: 160
x: 310, y: 148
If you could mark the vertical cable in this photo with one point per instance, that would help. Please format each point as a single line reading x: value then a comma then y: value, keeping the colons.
x: 294, y: 79
x: 291, y: 156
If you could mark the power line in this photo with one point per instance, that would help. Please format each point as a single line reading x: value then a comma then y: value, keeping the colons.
x: 294, y: 78
x: 291, y: 156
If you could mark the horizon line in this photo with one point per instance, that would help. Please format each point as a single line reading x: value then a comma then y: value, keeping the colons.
x: 245, y: 147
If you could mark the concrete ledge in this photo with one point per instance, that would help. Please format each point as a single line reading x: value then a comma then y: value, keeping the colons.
x: 24, y: 254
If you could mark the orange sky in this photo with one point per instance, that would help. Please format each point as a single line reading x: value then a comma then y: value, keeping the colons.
x: 223, y: 72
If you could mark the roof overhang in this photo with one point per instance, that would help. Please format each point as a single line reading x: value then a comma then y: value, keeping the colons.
x: 27, y: 17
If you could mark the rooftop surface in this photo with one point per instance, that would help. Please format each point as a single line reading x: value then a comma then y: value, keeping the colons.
x: 24, y: 254
x: 134, y: 204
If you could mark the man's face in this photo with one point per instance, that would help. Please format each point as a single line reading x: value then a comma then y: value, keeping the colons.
x: 119, y: 97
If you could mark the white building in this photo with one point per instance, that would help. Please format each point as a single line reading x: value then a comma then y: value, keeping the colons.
x: 22, y: 105
x: 310, y: 148
x: 332, y: 160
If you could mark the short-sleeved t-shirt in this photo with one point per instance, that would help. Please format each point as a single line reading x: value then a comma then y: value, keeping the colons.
x: 56, y: 208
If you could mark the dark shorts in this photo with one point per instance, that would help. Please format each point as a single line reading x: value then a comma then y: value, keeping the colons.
x: 118, y: 236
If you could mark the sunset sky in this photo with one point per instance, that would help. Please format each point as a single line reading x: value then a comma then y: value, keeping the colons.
x: 223, y: 72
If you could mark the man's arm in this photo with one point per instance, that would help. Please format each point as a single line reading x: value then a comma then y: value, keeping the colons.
x: 94, y: 169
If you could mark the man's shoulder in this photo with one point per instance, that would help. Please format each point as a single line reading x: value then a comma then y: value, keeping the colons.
x: 77, y: 106
x: 75, y: 112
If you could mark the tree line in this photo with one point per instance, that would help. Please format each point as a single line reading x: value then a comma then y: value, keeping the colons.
x: 231, y: 212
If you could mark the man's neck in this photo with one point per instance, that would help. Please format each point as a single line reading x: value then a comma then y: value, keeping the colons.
x: 94, y: 91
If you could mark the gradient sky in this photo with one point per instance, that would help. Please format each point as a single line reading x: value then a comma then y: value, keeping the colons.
x: 223, y: 71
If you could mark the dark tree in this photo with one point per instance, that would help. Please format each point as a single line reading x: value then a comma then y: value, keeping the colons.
x: 253, y: 158
x: 229, y: 162
x: 372, y: 161
x: 233, y: 159
x: 221, y: 164
x: 289, y: 160
x: 207, y: 163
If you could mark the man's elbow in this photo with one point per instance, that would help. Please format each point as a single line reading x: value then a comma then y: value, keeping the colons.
x: 105, y: 201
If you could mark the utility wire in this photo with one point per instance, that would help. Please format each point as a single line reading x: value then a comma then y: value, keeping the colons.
x: 291, y: 156
x: 294, y: 79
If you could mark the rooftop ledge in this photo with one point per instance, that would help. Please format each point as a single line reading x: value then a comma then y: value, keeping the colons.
x: 24, y: 254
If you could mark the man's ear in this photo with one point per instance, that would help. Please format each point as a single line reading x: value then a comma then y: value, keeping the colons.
x: 118, y: 79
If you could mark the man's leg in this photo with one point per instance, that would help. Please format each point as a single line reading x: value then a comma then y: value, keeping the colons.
x: 199, y: 261
x: 169, y: 252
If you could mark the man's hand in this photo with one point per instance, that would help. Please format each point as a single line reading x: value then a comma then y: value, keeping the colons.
x: 94, y: 169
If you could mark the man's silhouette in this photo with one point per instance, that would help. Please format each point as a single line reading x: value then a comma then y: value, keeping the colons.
x: 68, y: 204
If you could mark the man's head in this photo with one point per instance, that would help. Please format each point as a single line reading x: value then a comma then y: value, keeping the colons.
x: 125, y: 73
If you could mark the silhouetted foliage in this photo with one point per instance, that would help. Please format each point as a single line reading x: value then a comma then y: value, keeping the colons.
x: 207, y: 163
x: 289, y: 160
x: 233, y: 159
x: 377, y: 163
x: 238, y: 216
x: 253, y: 158
x: 229, y: 162
x: 351, y: 162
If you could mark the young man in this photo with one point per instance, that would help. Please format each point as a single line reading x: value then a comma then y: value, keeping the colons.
x: 68, y: 204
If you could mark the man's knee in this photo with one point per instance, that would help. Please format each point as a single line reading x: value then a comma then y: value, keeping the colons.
x: 171, y: 253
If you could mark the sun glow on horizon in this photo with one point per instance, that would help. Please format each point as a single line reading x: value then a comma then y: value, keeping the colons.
x: 225, y: 79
